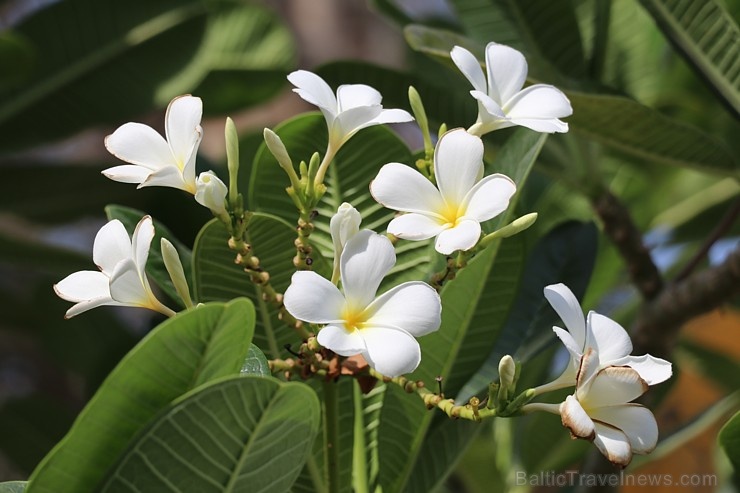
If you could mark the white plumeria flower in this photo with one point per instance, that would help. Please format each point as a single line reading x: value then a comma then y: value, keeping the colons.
x: 121, y: 280
x: 211, y: 192
x: 154, y: 160
x: 453, y: 212
x: 343, y: 226
x: 600, y: 410
x: 354, y: 107
x: 501, y: 100
x: 609, y: 340
x: 381, y: 329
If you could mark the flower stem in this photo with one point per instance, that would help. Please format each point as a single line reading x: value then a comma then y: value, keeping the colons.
x: 328, y: 158
x: 359, y: 461
x: 331, y: 435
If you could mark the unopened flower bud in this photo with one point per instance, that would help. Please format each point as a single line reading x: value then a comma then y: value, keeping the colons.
x: 343, y: 225
x: 211, y: 192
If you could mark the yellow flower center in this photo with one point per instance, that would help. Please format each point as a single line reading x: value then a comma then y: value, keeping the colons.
x: 451, y: 214
x: 353, y: 319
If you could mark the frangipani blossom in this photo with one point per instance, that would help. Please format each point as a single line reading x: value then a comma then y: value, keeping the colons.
x: 154, y: 160
x: 600, y: 410
x: 211, y: 192
x: 611, y: 343
x: 354, y: 107
x: 381, y: 329
x: 501, y: 100
x: 453, y: 211
x: 121, y: 280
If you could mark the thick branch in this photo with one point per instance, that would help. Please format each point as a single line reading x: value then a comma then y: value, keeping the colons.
x: 660, y: 320
x: 621, y: 230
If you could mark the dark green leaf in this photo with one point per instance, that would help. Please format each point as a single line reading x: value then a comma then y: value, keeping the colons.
x: 155, y: 264
x: 256, y: 363
x: 238, y: 434
x: 188, y: 350
x: 729, y: 440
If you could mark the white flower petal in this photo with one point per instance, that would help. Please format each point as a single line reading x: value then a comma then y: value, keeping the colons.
x: 543, y: 103
x: 575, y: 349
x: 340, y: 341
x: 390, y: 351
x: 401, y: 188
x: 140, y: 242
x: 392, y: 115
x: 140, y: 144
x: 612, y: 386
x: 575, y: 418
x: 188, y: 171
x: 84, y: 306
x: 458, y: 161
x: 313, y: 299
x: 127, y: 287
x: 412, y: 306
x: 211, y: 192
x: 651, y: 369
x: 507, y: 71
x: 314, y: 90
x: 470, y: 67
x: 366, y: 259
x: 489, y: 197
x: 607, y: 337
x: 127, y: 173
x: 588, y: 367
x: 566, y: 305
x: 349, y: 122
x: 613, y: 444
x: 464, y: 236
x: 487, y: 107
x: 356, y: 95
x: 168, y: 177
x: 635, y: 421
x: 551, y: 125
x: 112, y: 244
x: 84, y: 285
x: 343, y: 226
x: 413, y: 226
x: 182, y: 127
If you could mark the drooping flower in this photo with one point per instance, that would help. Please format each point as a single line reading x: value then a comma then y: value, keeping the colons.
x: 354, y: 107
x: 611, y: 343
x: 154, y: 160
x: 343, y: 226
x: 211, y: 192
x: 381, y: 329
x: 121, y: 280
x: 453, y: 212
x: 600, y: 410
x: 501, y: 100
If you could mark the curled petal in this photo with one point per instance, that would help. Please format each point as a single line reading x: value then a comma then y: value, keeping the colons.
x: 211, y: 192
x: 613, y: 444
x: 313, y: 299
x: 127, y: 173
x: 489, y: 197
x: 168, y: 177
x: 391, y: 351
x: 412, y: 306
x: 635, y: 421
x: 651, y: 369
x: 140, y: 144
x: 470, y: 67
x: 112, y: 244
x: 607, y: 337
x: 612, y: 386
x: 538, y: 107
x: 366, y: 259
x: 566, y: 305
x: 507, y: 71
x: 464, y: 236
x: 83, y: 286
x: 140, y: 242
x: 576, y: 419
x: 314, y: 90
x: 356, y: 95
x: 401, y: 188
x: 182, y: 127
x: 550, y: 125
x: 127, y: 287
x: 458, y: 164
x: 84, y: 306
x: 340, y: 341
x: 570, y: 344
x: 413, y: 226
x: 347, y: 123
x: 343, y: 226
x: 488, y: 109
x: 392, y: 116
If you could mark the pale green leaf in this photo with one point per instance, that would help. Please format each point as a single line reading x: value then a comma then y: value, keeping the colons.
x: 256, y: 363
x: 190, y: 349
x: 13, y: 487
x: 729, y: 439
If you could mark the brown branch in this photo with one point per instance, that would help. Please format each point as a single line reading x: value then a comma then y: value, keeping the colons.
x: 621, y: 230
x: 659, y: 321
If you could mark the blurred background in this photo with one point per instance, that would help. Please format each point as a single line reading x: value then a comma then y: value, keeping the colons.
x: 653, y: 126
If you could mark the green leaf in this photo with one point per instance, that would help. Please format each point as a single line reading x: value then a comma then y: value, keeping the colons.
x: 348, y: 180
x: 238, y: 434
x: 190, y: 349
x: 155, y: 263
x: 127, y: 57
x: 474, y: 307
x: 708, y: 37
x: 217, y: 278
x: 13, y: 487
x: 729, y: 440
x: 256, y: 363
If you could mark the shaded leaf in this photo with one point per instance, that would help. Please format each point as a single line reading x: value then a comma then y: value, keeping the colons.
x: 729, y: 440
x: 239, y: 434
x: 190, y: 349
x: 13, y: 487
x: 256, y: 363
